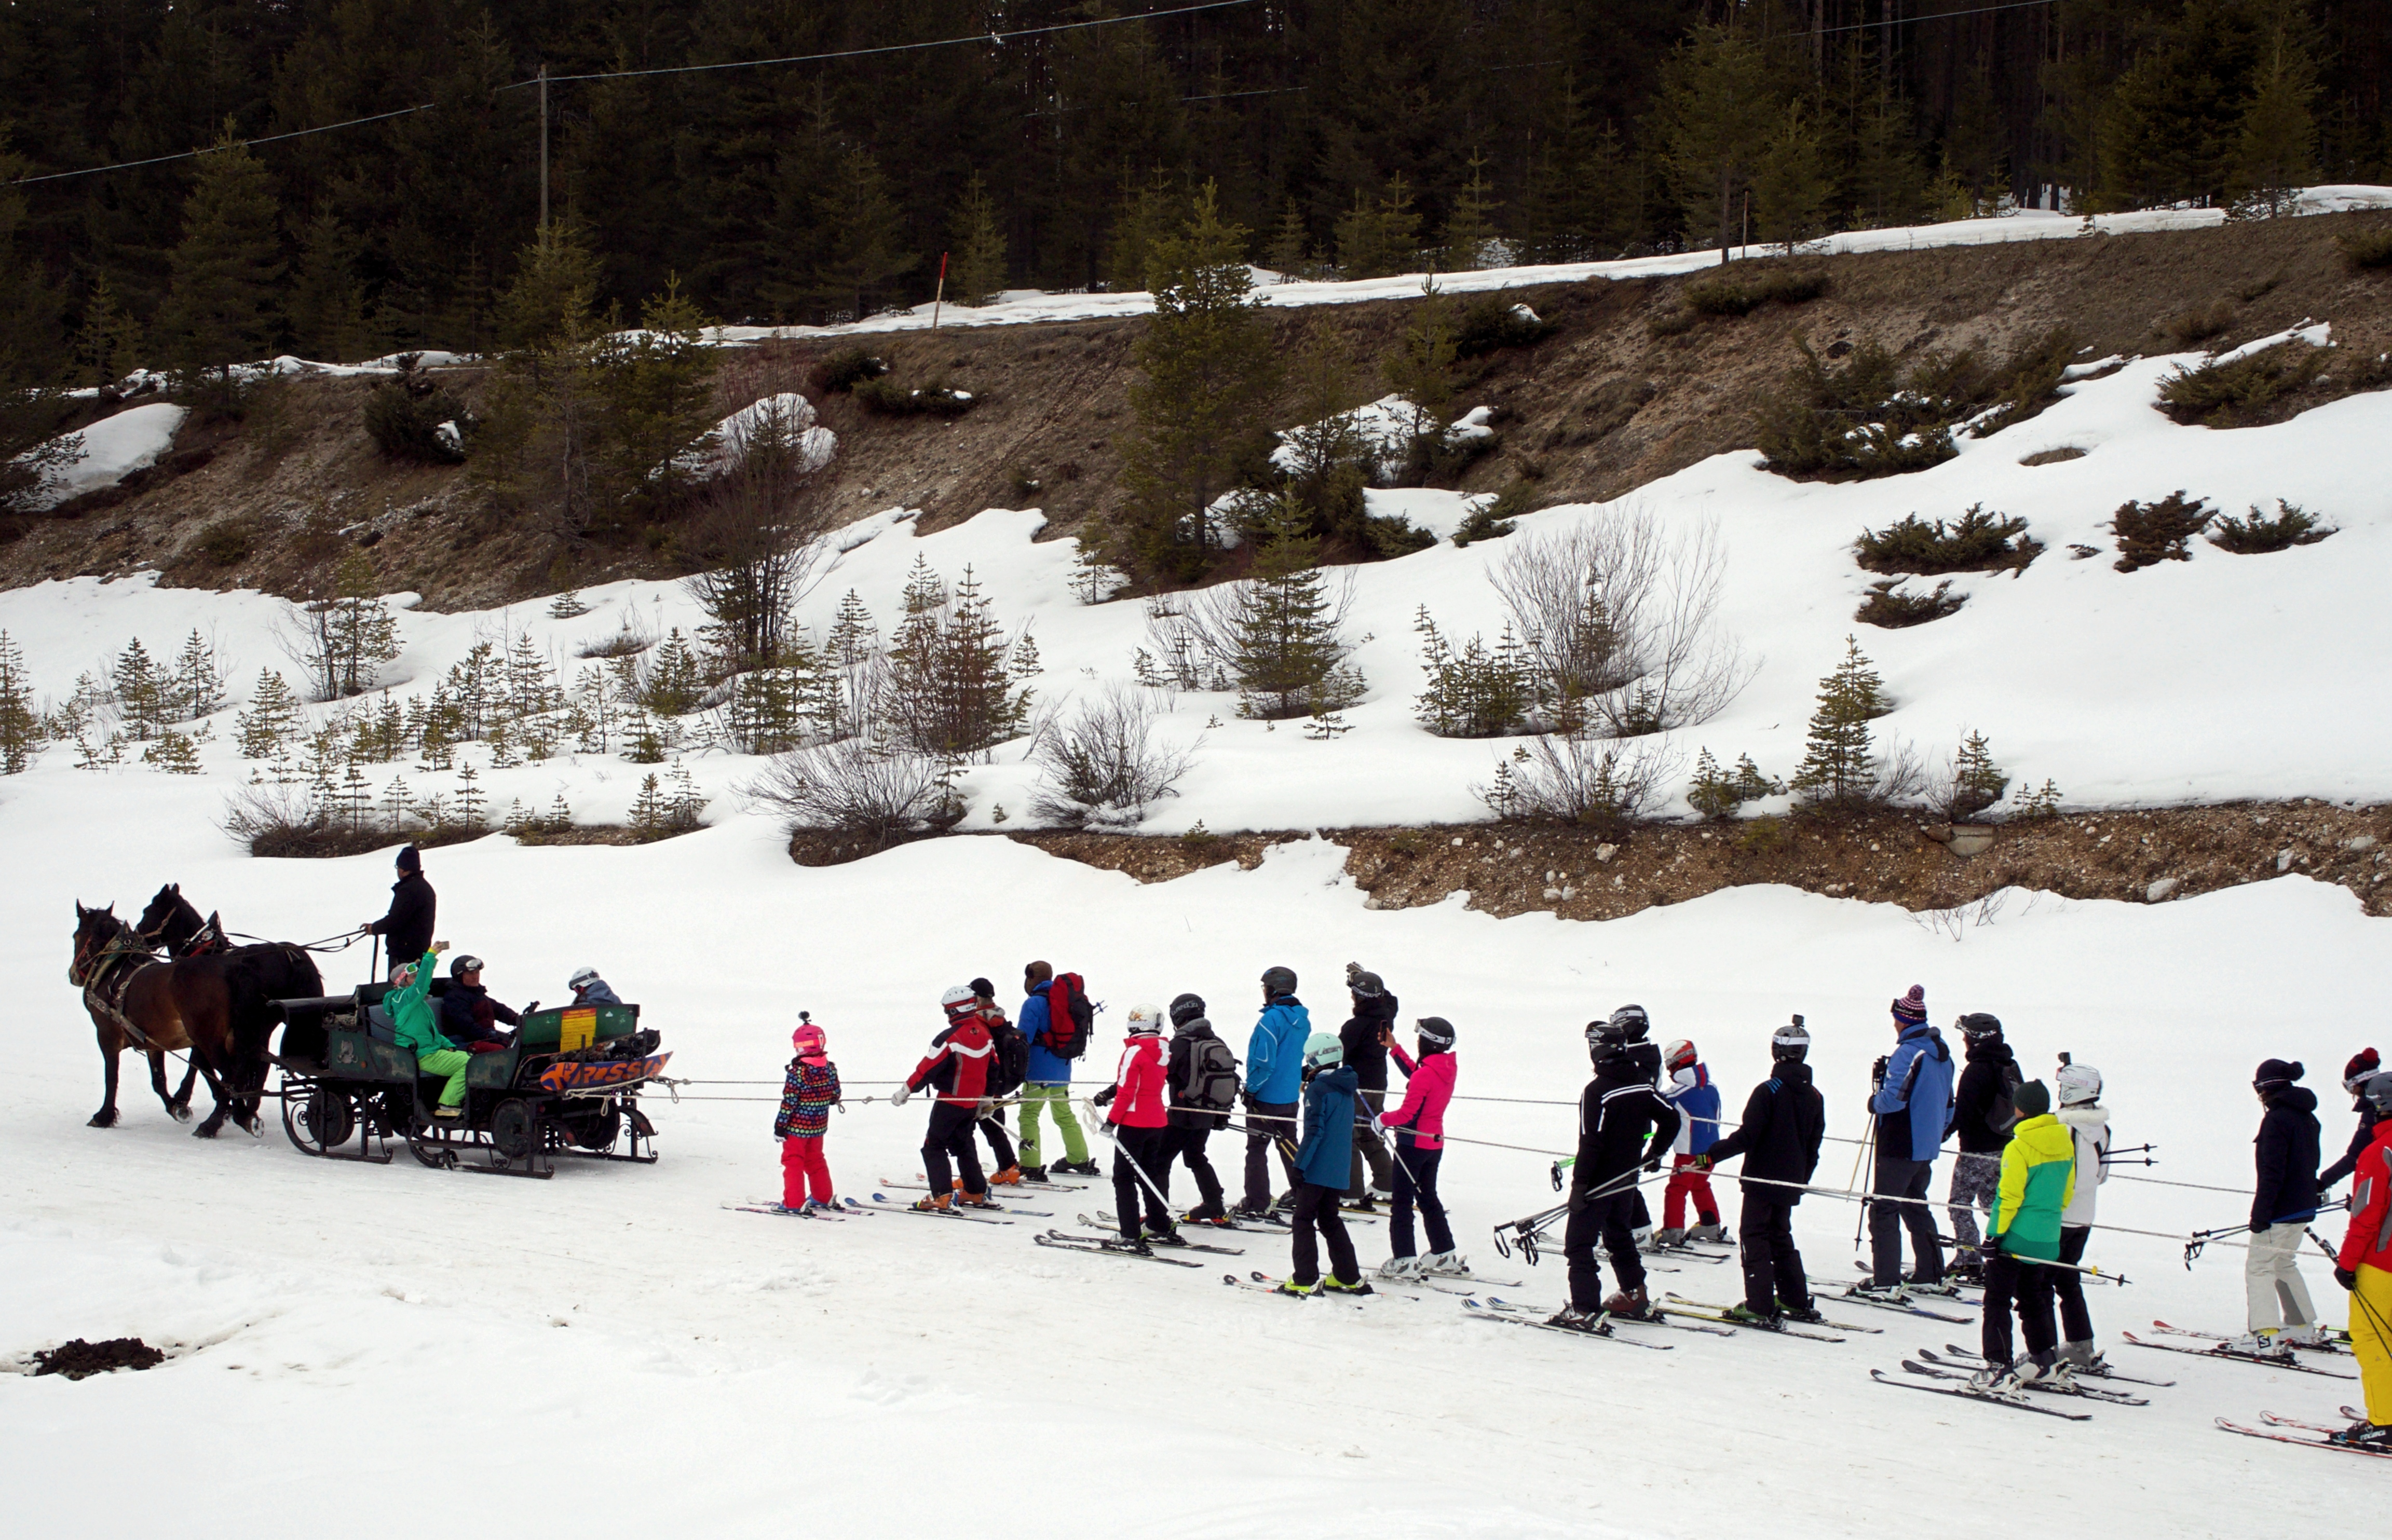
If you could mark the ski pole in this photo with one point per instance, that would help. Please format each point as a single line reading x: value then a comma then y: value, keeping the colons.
x: 1860, y: 1221
x: 1122, y: 1150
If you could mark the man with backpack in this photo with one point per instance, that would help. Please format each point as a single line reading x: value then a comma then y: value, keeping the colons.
x: 1373, y: 1017
x: 1051, y: 1047
x: 1009, y: 1066
x: 1982, y: 1110
x: 1204, y: 1083
x: 1274, y: 1081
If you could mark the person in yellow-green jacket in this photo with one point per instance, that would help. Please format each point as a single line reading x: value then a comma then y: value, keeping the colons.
x: 2038, y: 1178
x: 410, y: 1005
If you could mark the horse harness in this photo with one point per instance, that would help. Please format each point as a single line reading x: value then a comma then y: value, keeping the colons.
x: 108, y: 975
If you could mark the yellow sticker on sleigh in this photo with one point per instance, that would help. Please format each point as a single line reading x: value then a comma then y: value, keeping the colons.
x: 576, y: 1029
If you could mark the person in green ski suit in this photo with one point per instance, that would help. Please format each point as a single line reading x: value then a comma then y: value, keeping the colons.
x: 410, y: 1005
x: 2038, y: 1178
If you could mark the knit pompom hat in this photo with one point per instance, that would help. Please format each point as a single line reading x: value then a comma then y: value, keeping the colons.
x: 1911, y: 1009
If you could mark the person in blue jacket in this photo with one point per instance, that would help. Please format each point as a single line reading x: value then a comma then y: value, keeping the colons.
x: 1323, y: 1164
x: 1913, y: 1103
x: 1048, y: 1083
x: 1274, y: 1080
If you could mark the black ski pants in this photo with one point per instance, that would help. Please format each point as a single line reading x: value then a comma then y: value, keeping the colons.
x: 2076, y: 1321
x: 1416, y: 1184
x: 1187, y: 1145
x: 1773, y: 1268
x: 1368, y: 1148
x: 2012, y: 1279
x: 1137, y: 1150
x: 1000, y: 1149
x: 1900, y: 1202
x: 1269, y: 1124
x: 951, y: 1133
x: 1611, y: 1220
x: 1316, y: 1211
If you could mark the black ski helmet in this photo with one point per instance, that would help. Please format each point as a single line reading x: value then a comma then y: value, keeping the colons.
x: 1790, y: 1041
x: 1632, y: 1023
x: 1434, y: 1031
x: 1981, y: 1027
x: 1370, y: 986
x: 1279, y: 981
x: 1605, y: 1038
x: 1186, y: 1008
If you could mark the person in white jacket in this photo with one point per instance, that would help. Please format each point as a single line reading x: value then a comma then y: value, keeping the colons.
x: 2082, y: 1114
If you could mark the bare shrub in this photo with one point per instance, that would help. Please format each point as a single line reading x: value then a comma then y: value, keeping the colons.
x: 1621, y: 617
x: 632, y: 636
x: 1573, y: 778
x: 863, y: 786
x: 1105, y: 764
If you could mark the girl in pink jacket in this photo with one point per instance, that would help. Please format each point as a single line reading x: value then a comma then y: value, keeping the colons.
x: 1419, y: 1126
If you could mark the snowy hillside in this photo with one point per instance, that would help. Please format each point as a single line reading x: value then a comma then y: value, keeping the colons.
x: 615, y: 1336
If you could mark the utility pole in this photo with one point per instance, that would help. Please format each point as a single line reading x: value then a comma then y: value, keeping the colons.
x: 543, y: 150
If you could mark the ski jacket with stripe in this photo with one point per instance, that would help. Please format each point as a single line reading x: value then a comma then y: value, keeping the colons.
x: 1784, y: 1120
x: 1913, y: 1105
x: 2287, y: 1152
x: 2038, y: 1179
x: 1614, y: 1115
x: 2368, y: 1242
x: 2089, y: 1122
x: 1275, y: 1053
x: 1046, y: 1069
x: 957, y: 1064
x: 1326, y: 1157
x: 808, y: 1094
x: 2359, y: 1142
x: 1140, y: 1099
x: 1419, y: 1123
x: 1697, y: 1100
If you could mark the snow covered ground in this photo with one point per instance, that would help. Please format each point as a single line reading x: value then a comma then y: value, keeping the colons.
x: 498, y: 1352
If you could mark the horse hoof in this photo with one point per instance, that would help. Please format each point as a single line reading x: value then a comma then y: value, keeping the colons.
x: 182, y: 1114
x: 102, y: 1120
x: 255, y: 1127
x: 206, y: 1130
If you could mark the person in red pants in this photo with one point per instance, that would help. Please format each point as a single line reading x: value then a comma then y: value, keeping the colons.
x: 808, y: 1094
x: 1689, y: 1089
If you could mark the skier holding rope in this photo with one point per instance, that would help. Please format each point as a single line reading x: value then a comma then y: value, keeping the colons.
x: 1618, y: 1110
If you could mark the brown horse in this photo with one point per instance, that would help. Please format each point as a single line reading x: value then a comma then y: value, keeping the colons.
x: 215, y: 1007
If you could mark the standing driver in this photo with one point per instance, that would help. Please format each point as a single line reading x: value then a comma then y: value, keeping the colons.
x: 408, y: 926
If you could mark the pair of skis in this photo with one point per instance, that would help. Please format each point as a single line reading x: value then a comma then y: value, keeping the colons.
x: 1600, y: 1329
x: 2325, y: 1438
x: 2272, y: 1360
x: 845, y: 1208
x: 1965, y: 1365
x: 1907, y: 1304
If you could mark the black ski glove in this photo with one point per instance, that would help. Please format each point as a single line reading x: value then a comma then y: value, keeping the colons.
x: 1104, y: 1097
x: 2348, y: 1279
x: 1876, y: 1071
x: 1653, y: 1166
x: 2260, y: 1226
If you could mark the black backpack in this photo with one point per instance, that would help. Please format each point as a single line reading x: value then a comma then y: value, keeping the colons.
x: 2002, y: 1116
x: 1212, y: 1076
x: 1012, y: 1057
x: 1070, y: 1019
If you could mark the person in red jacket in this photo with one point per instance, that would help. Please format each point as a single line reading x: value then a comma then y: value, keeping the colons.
x: 1138, y: 1110
x: 2364, y: 1267
x: 956, y: 1069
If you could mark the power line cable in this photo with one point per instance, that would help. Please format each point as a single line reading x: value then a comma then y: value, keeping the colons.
x: 1930, y: 16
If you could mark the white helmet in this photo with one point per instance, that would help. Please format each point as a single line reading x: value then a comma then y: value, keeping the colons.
x: 959, y: 996
x: 582, y: 979
x: 1145, y: 1021
x: 2079, y: 1083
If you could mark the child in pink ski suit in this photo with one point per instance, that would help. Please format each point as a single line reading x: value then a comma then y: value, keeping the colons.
x: 807, y: 1097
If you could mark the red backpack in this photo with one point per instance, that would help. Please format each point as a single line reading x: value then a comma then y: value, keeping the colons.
x: 1070, y: 1019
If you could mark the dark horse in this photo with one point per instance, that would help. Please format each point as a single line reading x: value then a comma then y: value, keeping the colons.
x: 216, y: 1006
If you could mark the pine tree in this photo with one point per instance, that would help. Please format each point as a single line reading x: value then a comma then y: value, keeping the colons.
x: 675, y: 680
x: 649, y: 810
x: 195, y: 689
x: 1717, y: 794
x: 1208, y: 367
x: 469, y: 799
x: 1421, y: 370
x: 107, y: 339
x: 1379, y: 236
x: 174, y: 753
x: 1325, y: 454
x: 2275, y: 149
x: 1839, y: 758
x: 1288, y: 655
x: 863, y: 237
x: 654, y: 392
x: 1470, y: 227
x: 1717, y: 111
x: 1471, y: 692
x: 143, y: 693
x: 1143, y: 223
x: 394, y: 806
x: 350, y: 634
x: 952, y: 693
x: 20, y: 725
x: 1885, y: 179
x: 1792, y: 189
x: 268, y: 726
x: 976, y: 275
x: 1289, y: 252
x: 1977, y: 782
x: 328, y: 300
x: 226, y: 298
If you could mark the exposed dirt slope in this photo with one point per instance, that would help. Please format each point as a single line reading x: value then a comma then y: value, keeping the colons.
x: 2146, y: 856
x: 1597, y: 410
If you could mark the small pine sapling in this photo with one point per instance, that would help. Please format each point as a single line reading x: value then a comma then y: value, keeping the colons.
x: 174, y: 753
x: 1975, y: 783
x: 1839, y: 758
x: 2150, y: 533
x: 21, y: 728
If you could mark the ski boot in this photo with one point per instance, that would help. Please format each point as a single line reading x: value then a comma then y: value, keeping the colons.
x: 1009, y: 1177
x: 1994, y: 1379
x: 2044, y: 1371
x: 816, y: 1206
x: 1129, y: 1245
x: 1400, y: 1270
x: 1356, y: 1204
x: 1711, y: 1230
x: 2364, y: 1435
x: 1942, y: 1288
x: 934, y: 1204
x: 974, y: 1200
x: 2084, y: 1358
x: 1571, y: 1319
x: 1335, y: 1285
x: 1301, y: 1290
x: 1078, y: 1168
x: 2310, y: 1336
x: 1745, y: 1315
x: 1206, y: 1214
x: 1445, y: 1264
x: 1032, y: 1173
x: 1164, y: 1235
x: 2266, y: 1344
x: 1807, y: 1314
x: 1669, y: 1237
x: 1883, y: 1294
x: 1629, y: 1302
